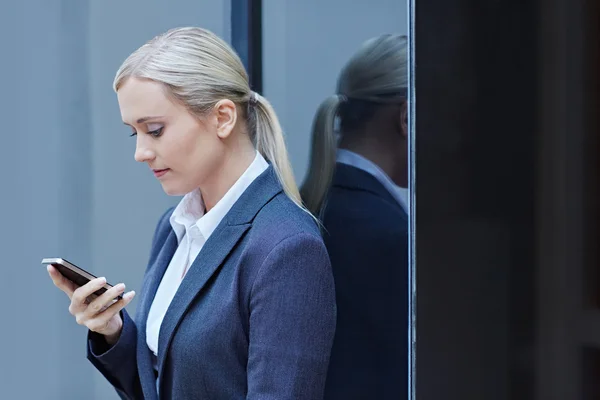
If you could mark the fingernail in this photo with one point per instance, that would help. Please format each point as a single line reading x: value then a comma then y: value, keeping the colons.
x: 121, y: 286
x: 130, y: 295
x: 102, y: 279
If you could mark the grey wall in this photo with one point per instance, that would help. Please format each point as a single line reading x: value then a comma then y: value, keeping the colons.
x: 306, y: 43
x: 31, y: 329
x: 71, y: 187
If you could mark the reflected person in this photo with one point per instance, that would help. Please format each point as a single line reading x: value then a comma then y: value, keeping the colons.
x: 355, y: 188
x: 238, y: 296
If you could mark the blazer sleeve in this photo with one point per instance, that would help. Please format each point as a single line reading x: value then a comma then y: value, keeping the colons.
x: 292, y: 321
x: 118, y: 363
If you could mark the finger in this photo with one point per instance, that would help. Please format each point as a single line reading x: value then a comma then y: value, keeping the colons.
x: 101, y: 320
x: 104, y: 300
x: 91, y: 298
x: 78, y: 301
x: 61, y: 282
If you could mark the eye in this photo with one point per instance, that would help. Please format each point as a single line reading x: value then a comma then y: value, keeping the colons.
x: 156, y: 132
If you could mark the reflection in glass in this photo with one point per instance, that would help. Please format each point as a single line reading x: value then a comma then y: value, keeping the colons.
x: 358, y: 167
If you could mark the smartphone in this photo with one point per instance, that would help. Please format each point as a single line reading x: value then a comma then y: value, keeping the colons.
x: 75, y: 274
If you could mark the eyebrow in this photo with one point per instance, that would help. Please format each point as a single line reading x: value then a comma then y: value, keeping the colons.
x: 144, y: 119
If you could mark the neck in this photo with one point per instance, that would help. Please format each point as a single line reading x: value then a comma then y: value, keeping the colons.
x: 378, y: 152
x: 224, y: 177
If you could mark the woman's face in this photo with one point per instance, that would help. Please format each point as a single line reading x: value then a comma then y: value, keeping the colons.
x: 182, y: 150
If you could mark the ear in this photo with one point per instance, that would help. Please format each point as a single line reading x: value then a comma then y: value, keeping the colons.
x: 404, y: 119
x: 226, y: 114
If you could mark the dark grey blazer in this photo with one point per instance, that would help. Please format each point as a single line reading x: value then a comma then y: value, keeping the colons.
x: 254, y: 318
x: 367, y: 240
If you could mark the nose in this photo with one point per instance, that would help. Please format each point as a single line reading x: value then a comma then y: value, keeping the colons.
x: 142, y: 152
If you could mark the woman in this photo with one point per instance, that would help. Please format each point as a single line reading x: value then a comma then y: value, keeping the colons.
x: 355, y: 189
x: 237, y: 299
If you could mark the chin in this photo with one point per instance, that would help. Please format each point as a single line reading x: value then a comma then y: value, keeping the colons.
x: 172, y: 190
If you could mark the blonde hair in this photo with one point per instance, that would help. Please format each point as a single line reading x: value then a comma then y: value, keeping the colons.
x: 376, y: 74
x: 199, y: 69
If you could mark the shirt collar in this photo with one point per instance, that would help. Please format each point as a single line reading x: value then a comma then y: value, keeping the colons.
x: 191, y: 209
x: 353, y: 159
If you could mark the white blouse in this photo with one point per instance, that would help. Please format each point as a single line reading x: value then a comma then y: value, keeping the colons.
x: 193, y: 228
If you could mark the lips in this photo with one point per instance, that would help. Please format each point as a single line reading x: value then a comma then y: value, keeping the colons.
x: 160, y: 172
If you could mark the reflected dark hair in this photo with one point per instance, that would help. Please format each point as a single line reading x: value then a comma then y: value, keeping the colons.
x: 376, y: 74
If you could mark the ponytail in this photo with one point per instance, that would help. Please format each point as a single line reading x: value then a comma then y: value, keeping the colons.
x: 322, y: 156
x: 270, y: 144
x: 376, y: 74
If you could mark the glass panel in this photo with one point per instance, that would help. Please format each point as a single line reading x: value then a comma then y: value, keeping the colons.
x: 337, y: 74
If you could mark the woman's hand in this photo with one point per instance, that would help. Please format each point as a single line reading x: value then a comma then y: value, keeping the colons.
x: 99, y: 314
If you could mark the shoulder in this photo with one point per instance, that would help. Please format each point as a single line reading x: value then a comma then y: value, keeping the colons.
x: 280, y: 225
x: 281, y: 218
x: 347, y: 208
x: 288, y: 249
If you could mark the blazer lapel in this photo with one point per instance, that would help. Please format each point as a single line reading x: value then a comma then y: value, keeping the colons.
x: 153, y: 278
x: 218, y: 246
x: 213, y: 253
x: 147, y: 293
